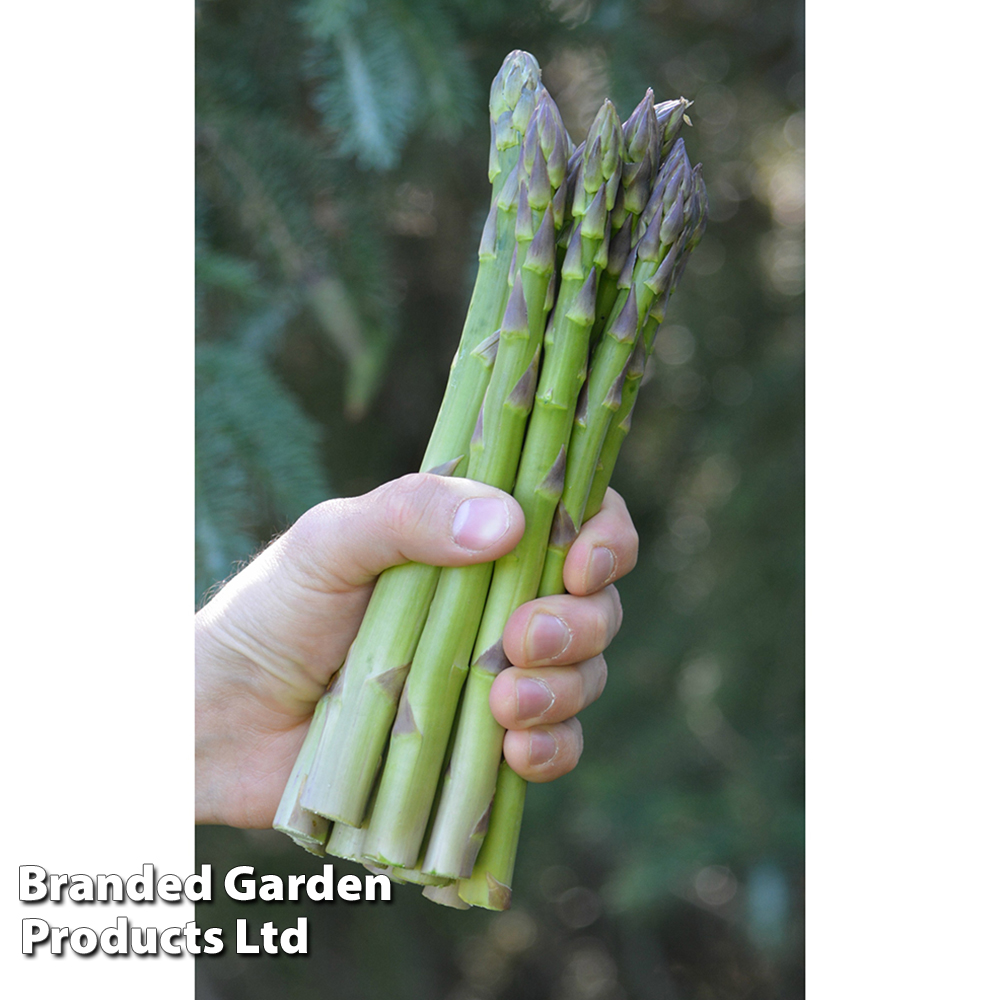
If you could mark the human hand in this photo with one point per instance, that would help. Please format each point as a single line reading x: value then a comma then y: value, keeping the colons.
x: 268, y: 642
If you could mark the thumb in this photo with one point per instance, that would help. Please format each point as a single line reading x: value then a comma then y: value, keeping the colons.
x: 419, y: 518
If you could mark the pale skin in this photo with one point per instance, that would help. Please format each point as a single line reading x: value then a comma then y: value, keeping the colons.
x: 267, y: 644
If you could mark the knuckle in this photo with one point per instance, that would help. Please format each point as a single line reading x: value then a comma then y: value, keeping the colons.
x: 405, y: 503
x: 599, y: 678
x: 616, y: 614
x: 631, y: 549
x: 581, y: 688
x: 313, y: 520
x: 575, y: 738
x: 305, y: 546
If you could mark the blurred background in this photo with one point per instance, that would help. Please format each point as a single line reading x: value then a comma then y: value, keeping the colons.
x: 341, y: 185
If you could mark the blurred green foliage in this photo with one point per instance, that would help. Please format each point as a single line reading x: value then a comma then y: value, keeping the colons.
x: 341, y: 172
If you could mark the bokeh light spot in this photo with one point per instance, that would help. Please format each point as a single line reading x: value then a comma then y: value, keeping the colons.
x: 690, y: 533
x: 715, y: 885
x: 675, y: 345
x: 578, y: 907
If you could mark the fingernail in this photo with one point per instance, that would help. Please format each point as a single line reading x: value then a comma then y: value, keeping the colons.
x: 601, y: 568
x: 548, y: 636
x: 534, y: 698
x: 541, y: 747
x: 480, y: 523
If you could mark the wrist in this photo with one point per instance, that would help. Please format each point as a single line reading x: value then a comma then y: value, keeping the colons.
x: 208, y: 739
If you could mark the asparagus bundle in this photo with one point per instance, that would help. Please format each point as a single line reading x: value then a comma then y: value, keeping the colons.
x: 580, y: 252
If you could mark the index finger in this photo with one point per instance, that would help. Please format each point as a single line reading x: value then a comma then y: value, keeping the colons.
x: 605, y: 550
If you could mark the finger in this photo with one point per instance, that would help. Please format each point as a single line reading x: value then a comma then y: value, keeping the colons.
x: 544, y: 753
x: 562, y: 629
x: 606, y: 549
x: 420, y: 518
x: 520, y: 699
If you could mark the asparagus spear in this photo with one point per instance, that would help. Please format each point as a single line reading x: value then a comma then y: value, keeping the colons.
x: 348, y: 841
x: 378, y: 661
x: 650, y: 134
x: 489, y: 884
x: 307, y: 829
x: 633, y: 375
x: 648, y: 273
x: 642, y: 140
x: 621, y: 424
x: 469, y: 784
x: 427, y: 706
x: 513, y: 97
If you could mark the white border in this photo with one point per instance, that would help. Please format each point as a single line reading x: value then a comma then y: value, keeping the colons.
x: 97, y: 412
x: 902, y: 503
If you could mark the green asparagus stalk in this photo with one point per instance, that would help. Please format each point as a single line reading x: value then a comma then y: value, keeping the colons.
x: 416, y: 874
x: 468, y: 787
x: 493, y: 873
x: 648, y: 273
x: 427, y: 706
x: 513, y: 97
x: 347, y: 756
x: 348, y: 841
x: 642, y: 140
x: 620, y: 427
x: 622, y: 422
x: 307, y: 829
x: 650, y: 134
